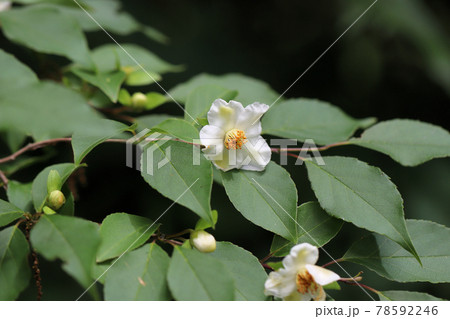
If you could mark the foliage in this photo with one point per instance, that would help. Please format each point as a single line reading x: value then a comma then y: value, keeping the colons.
x: 91, y: 100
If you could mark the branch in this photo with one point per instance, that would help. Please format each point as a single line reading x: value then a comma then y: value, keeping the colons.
x: 4, y: 180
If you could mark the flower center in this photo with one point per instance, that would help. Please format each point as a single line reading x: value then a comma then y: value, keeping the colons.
x: 234, y: 139
x: 305, y: 282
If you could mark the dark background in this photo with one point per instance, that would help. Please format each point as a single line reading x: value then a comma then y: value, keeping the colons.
x: 385, y: 66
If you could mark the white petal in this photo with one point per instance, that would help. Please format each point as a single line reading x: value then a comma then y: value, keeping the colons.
x: 211, y: 135
x: 224, y: 162
x: 251, y: 115
x: 254, y: 130
x: 301, y: 255
x: 319, y: 294
x: 256, y: 155
x: 224, y: 115
x: 321, y: 275
x: 280, y: 284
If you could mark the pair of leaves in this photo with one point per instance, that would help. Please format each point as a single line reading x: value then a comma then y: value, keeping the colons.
x: 303, y: 119
x: 390, y: 260
x: 314, y: 226
x: 8, y: 213
x: 194, y: 276
x: 46, y: 30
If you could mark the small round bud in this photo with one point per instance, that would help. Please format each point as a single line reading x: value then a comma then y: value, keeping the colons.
x: 48, y: 211
x: 139, y: 100
x: 203, y: 241
x: 53, y: 181
x: 56, y: 199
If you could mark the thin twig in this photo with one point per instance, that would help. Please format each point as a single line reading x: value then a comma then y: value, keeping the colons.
x: 4, y: 180
x: 332, y: 262
x: 361, y: 285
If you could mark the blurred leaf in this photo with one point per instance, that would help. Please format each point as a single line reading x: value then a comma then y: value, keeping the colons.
x: 250, y: 89
x: 178, y: 128
x: 124, y: 97
x: 155, y: 99
x: 107, y: 56
x: 361, y: 194
x: 150, y: 121
x: 389, y: 260
x: 73, y: 240
x: 109, y: 83
x: 197, y: 276
x: 248, y: 274
x: 14, y: 74
x: 20, y: 195
x: 154, y: 34
x: 61, y: 111
x: 203, y: 224
x: 199, y: 101
x: 86, y: 139
x: 168, y: 167
x: 121, y: 232
x: 14, y: 269
x: 139, y: 275
x: 267, y: 199
x: 303, y: 119
x: 139, y: 78
x: 403, y: 295
x: 39, y: 187
x: 46, y: 30
x: 9, y: 213
x: 408, y: 142
x: 314, y: 226
x: 68, y: 208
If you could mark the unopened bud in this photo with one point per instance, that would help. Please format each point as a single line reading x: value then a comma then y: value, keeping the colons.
x: 53, y: 181
x: 56, y: 199
x: 139, y: 100
x: 203, y: 241
x: 48, y: 211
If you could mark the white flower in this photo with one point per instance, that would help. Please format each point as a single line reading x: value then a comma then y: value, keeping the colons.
x: 5, y: 5
x: 203, y: 241
x: 300, y: 278
x: 233, y: 137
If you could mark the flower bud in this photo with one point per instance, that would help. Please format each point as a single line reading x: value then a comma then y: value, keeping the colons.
x: 56, y: 199
x: 139, y: 100
x: 203, y: 241
x: 48, y: 211
x: 53, y: 181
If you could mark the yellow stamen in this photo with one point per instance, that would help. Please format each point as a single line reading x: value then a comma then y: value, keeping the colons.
x: 234, y: 139
x: 305, y: 282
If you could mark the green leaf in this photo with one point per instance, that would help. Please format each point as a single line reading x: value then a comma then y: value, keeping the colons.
x: 73, y: 240
x: 68, y: 208
x: 197, y: 276
x: 39, y: 187
x: 87, y: 138
x: 61, y: 111
x: 14, y: 269
x: 46, y: 30
x: 149, y: 121
x: 403, y: 295
x: 109, y: 82
x: 361, y: 194
x: 332, y: 286
x: 139, y: 275
x: 248, y: 274
x: 390, y: 260
x: 250, y: 89
x: 8, y: 213
x: 107, y: 56
x: 190, y: 185
x: 178, y: 128
x: 155, y: 99
x: 124, y: 97
x: 121, y: 232
x: 303, y: 119
x: 14, y: 74
x: 139, y: 78
x: 408, y: 142
x: 203, y: 224
x: 267, y: 199
x: 199, y: 101
x: 20, y: 195
x: 314, y: 226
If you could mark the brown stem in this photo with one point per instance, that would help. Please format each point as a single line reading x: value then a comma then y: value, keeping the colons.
x: 361, y: 285
x: 181, y: 233
x: 332, y: 262
x: 4, y: 180
x: 30, y: 221
x: 38, y: 145
x: 267, y: 266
